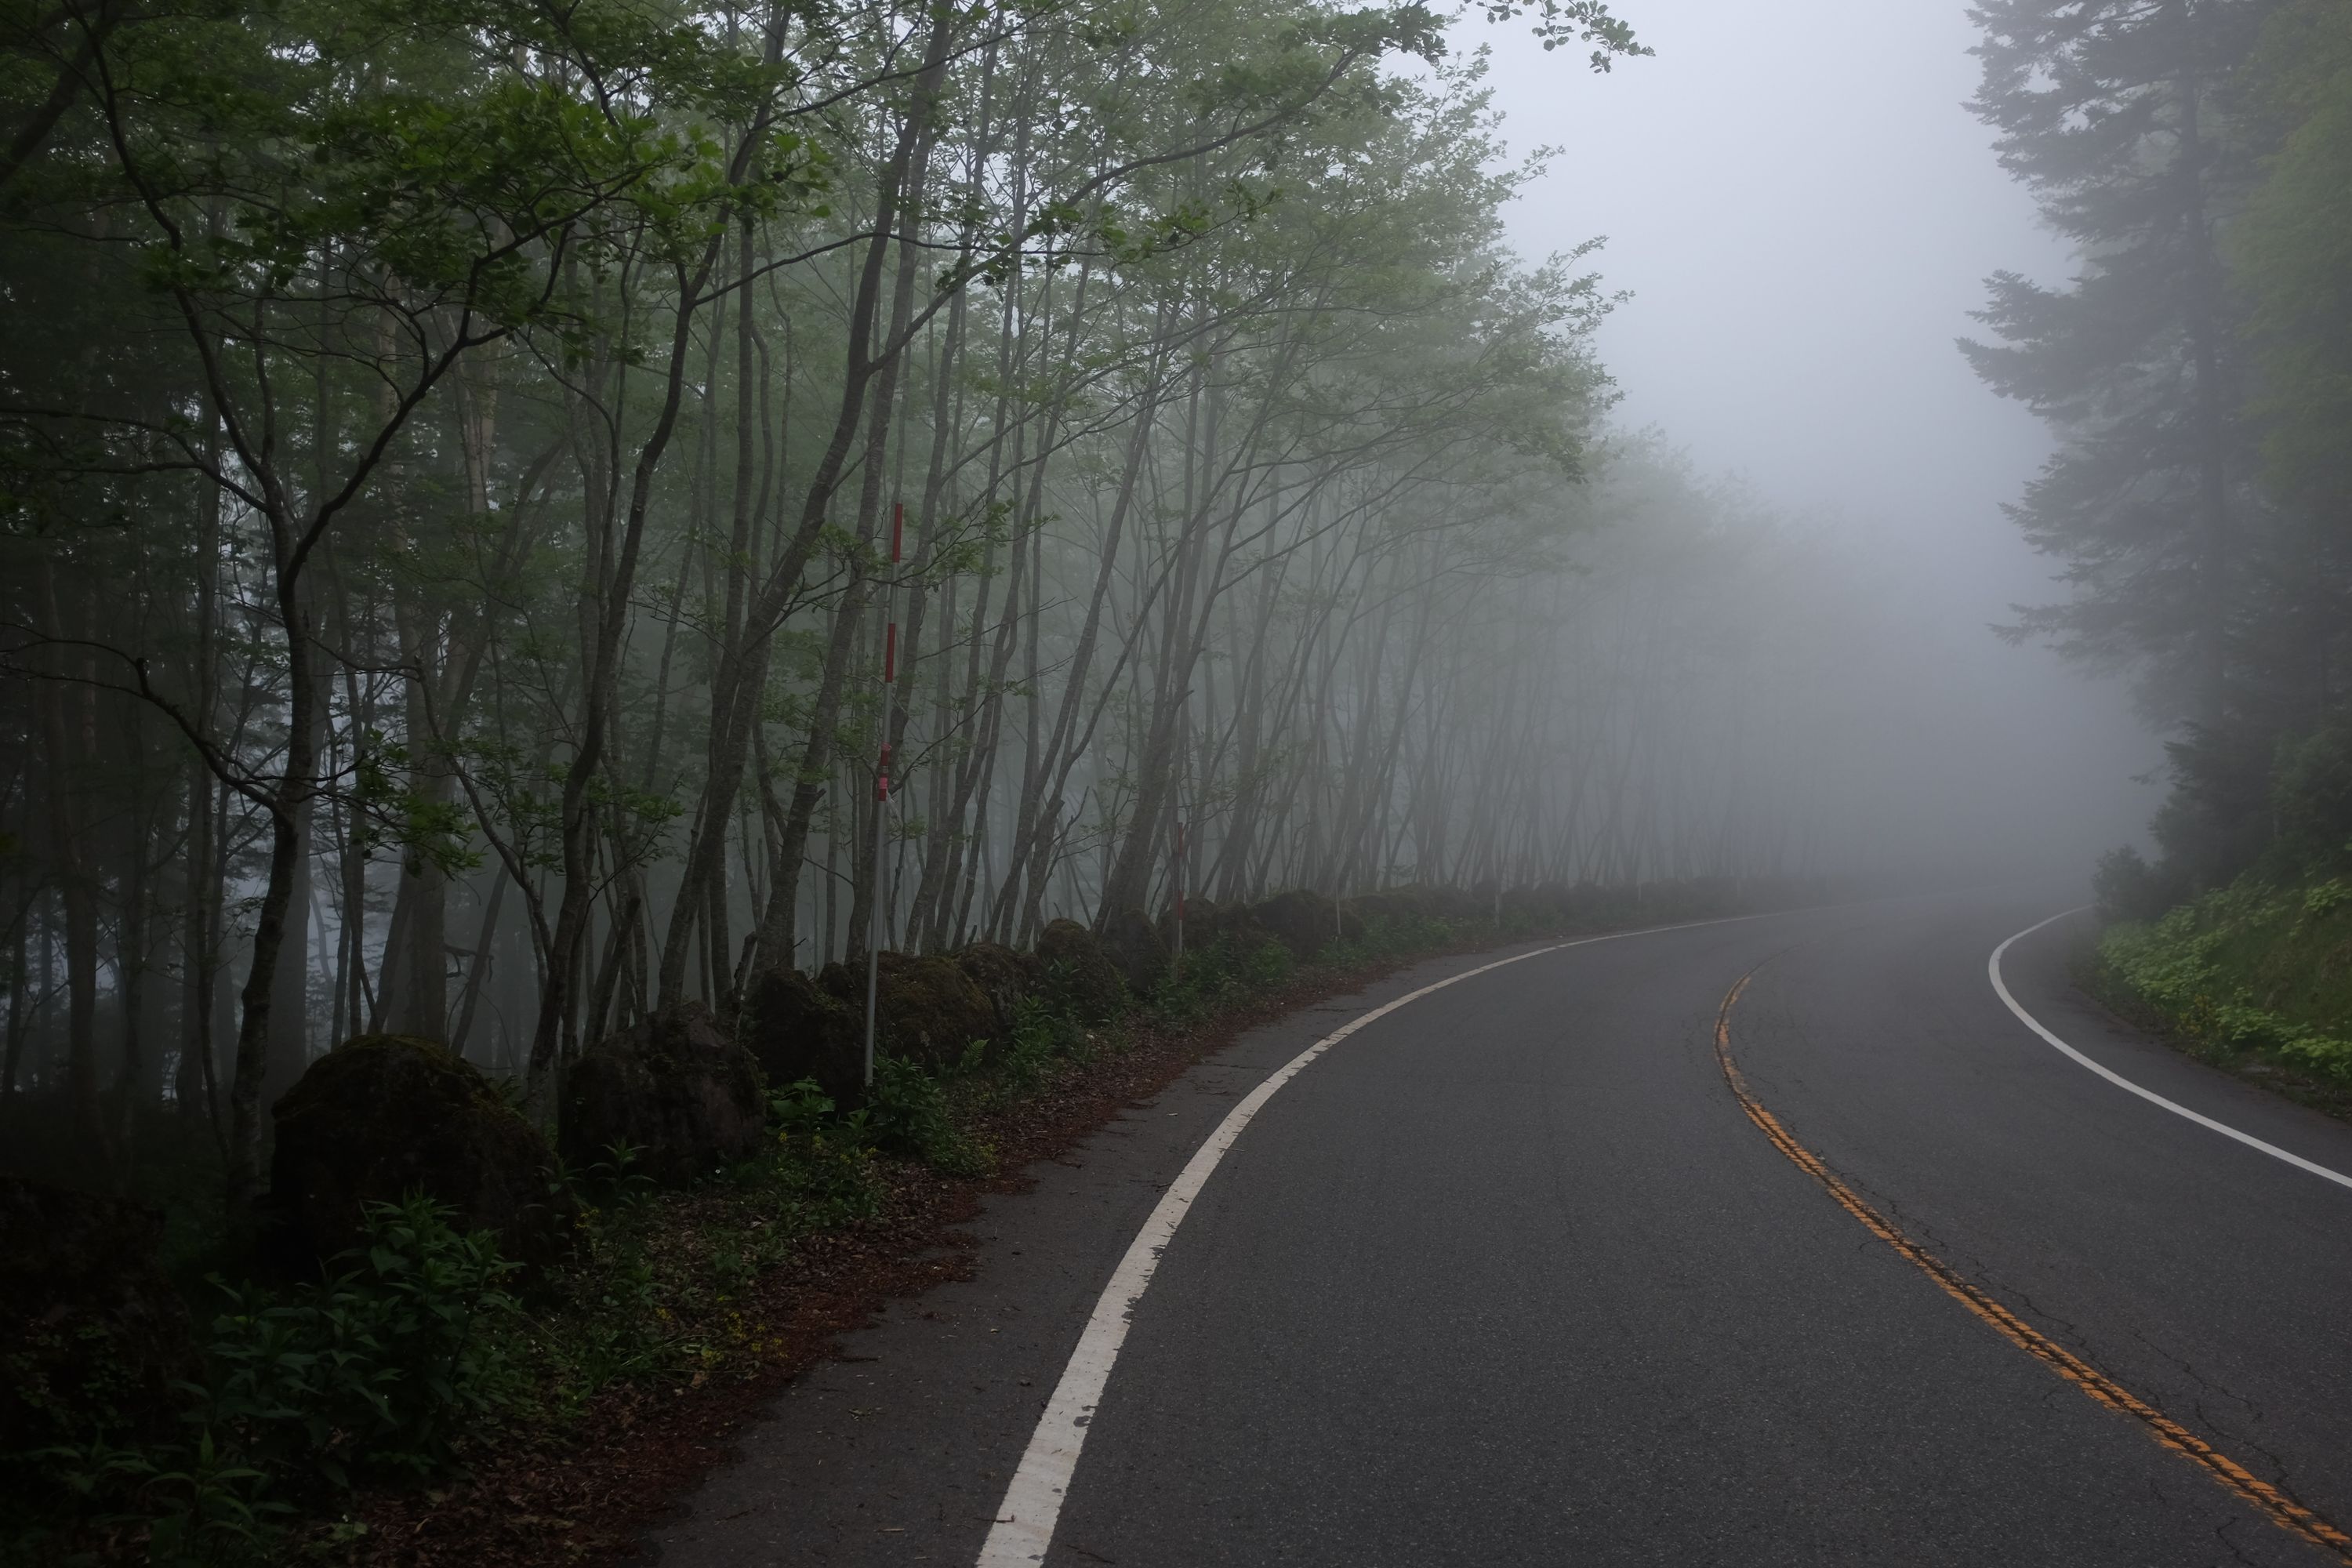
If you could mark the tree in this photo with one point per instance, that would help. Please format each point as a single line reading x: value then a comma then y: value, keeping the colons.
x: 2112, y: 113
x: 316, y: 217
x: 445, y: 455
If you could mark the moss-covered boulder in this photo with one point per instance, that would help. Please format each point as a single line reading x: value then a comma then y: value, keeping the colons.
x: 1348, y: 918
x: 92, y: 1335
x: 676, y: 1088
x: 1006, y: 977
x: 1529, y: 906
x: 383, y: 1116
x: 1388, y: 905
x: 795, y: 1031
x: 1593, y: 904
x: 1303, y: 921
x: 1135, y: 948
x: 1557, y: 900
x: 1453, y: 904
x: 1079, y: 976
x: 1208, y: 926
x: 927, y: 1009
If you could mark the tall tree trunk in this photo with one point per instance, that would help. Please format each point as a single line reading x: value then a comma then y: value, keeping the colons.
x: 736, y: 696
x: 69, y: 724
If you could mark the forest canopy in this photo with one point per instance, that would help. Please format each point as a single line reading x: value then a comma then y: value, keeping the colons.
x: 467, y: 469
x: 2193, y: 371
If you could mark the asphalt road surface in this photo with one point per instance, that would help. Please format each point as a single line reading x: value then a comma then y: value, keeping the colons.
x: 1510, y: 1275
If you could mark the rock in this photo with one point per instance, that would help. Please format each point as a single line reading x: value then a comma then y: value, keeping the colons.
x: 382, y: 1116
x: 1232, y: 928
x: 1303, y: 921
x: 1229, y: 922
x: 795, y: 1031
x: 1453, y: 904
x: 1412, y: 901
x: 1590, y: 904
x: 1078, y: 975
x: 1005, y: 976
x: 927, y: 1009
x: 1388, y: 905
x: 677, y: 1087
x: 1558, y: 900
x: 1134, y: 949
x: 93, y: 1336
x: 1529, y: 906
x: 1350, y: 920
x: 1423, y: 901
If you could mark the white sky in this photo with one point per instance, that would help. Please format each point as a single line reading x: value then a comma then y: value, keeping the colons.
x: 1805, y: 215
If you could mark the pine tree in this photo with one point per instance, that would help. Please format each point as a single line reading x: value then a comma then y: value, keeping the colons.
x: 2291, y: 257
x: 2114, y: 113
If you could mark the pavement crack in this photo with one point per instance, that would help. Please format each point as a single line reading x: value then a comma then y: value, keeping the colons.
x: 2242, y: 1428
x: 2221, y: 1532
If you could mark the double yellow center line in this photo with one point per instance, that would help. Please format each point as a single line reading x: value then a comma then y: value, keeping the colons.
x: 2282, y: 1508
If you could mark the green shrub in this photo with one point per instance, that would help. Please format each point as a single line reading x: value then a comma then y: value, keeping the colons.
x: 825, y: 1163
x: 908, y: 1114
x: 199, y: 1506
x: 2311, y: 803
x: 2232, y: 970
x: 1269, y: 964
x: 1209, y: 978
x: 1044, y: 1037
x: 2128, y: 888
x: 616, y: 1181
x: 377, y: 1369
x: 802, y: 1109
x: 1387, y: 936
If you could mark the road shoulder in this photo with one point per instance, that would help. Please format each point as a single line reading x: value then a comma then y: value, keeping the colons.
x: 897, y: 1448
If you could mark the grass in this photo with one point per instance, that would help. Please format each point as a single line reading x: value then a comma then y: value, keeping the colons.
x: 2256, y: 974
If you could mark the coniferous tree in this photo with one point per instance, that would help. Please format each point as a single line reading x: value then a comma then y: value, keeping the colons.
x: 2112, y: 113
x: 2291, y: 261
x: 2115, y: 114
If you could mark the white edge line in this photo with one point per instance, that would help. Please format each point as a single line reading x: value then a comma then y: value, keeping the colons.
x: 1024, y: 1528
x: 1992, y: 969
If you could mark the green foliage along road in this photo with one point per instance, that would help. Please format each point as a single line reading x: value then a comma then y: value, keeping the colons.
x: 2196, y: 370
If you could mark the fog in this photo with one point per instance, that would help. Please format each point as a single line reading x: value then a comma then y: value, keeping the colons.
x: 1803, y: 213
x: 1275, y: 519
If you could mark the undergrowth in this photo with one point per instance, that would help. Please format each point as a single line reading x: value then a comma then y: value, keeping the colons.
x: 376, y: 1371
x: 2254, y: 969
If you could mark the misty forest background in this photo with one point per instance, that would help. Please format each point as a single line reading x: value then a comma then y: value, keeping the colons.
x: 467, y: 464
x: 452, y: 458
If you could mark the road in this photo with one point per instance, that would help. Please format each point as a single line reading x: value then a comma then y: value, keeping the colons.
x: 1510, y: 1275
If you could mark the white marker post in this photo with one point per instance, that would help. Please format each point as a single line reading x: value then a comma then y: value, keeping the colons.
x: 874, y: 921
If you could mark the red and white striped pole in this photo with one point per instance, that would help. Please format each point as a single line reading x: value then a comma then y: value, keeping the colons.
x: 1178, y: 963
x: 874, y: 922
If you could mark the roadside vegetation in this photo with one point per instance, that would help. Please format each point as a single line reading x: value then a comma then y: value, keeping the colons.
x: 307, y: 1412
x: 2253, y: 972
x: 2197, y: 373
x: 2256, y: 974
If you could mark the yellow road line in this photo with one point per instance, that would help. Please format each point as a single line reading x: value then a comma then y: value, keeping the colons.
x: 2283, y: 1510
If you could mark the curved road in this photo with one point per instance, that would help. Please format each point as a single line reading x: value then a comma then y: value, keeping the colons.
x: 1511, y: 1276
